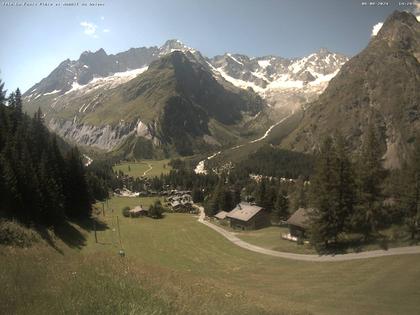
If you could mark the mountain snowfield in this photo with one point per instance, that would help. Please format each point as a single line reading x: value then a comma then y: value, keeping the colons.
x: 282, y: 82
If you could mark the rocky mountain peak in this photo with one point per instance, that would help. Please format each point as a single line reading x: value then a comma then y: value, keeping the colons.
x: 401, y: 29
x: 173, y: 45
x: 323, y: 51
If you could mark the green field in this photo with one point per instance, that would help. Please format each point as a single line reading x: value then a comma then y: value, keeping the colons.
x: 270, y: 238
x: 176, y: 265
x: 147, y: 168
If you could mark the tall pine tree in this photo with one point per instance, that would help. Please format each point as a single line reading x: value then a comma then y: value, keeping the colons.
x: 325, y: 221
x: 369, y: 179
x: 410, y: 199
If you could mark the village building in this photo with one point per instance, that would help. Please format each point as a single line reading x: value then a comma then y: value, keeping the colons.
x: 181, y: 206
x: 298, y: 224
x: 248, y: 217
x: 138, y: 211
x: 221, y: 215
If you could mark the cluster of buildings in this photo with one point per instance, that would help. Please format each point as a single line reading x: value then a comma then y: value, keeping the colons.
x: 248, y: 216
x: 180, y: 201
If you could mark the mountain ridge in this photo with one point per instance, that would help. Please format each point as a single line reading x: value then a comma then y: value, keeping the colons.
x: 102, y: 100
x: 378, y: 86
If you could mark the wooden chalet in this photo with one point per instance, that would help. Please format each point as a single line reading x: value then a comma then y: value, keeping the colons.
x: 246, y: 216
x: 139, y: 211
x: 299, y: 223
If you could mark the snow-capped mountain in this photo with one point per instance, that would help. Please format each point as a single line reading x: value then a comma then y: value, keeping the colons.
x: 101, y: 99
x: 96, y: 69
x: 284, y: 83
x: 280, y: 80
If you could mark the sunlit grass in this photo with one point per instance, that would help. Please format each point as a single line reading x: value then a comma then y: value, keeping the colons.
x: 176, y: 265
x: 147, y: 168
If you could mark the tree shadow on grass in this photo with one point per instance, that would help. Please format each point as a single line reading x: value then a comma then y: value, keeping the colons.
x: 91, y: 224
x: 70, y: 232
x: 45, y: 234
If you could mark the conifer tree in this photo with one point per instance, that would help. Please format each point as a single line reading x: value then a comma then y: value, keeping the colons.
x: 281, y: 207
x: 76, y: 190
x: 265, y: 195
x: 410, y: 199
x: 345, y: 186
x: 325, y: 224
x: 33, y: 172
x: 2, y: 93
x: 11, y: 100
x: 370, y: 176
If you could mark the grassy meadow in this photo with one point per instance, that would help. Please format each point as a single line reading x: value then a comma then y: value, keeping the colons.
x: 147, y: 168
x: 270, y: 238
x: 176, y: 265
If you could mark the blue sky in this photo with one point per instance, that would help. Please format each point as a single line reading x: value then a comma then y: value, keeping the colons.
x: 36, y: 39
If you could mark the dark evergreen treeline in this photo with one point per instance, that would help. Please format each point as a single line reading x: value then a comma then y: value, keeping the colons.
x: 277, y: 196
x: 101, y: 178
x: 275, y: 162
x: 38, y: 183
x: 352, y: 197
x: 358, y: 196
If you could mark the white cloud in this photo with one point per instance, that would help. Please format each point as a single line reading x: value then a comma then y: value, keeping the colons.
x: 376, y: 28
x: 89, y: 29
x: 106, y: 30
x: 102, y: 18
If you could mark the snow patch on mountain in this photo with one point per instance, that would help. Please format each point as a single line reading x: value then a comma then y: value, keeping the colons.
x: 239, y: 83
x: 109, y: 81
x: 52, y: 92
x: 234, y: 59
x: 272, y: 75
x: 264, y: 63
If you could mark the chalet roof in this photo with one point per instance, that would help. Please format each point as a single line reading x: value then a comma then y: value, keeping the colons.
x: 244, y: 211
x: 221, y: 215
x: 300, y: 218
x: 137, y: 209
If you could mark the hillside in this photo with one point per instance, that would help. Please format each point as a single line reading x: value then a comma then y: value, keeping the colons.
x: 174, y: 103
x: 379, y: 86
x: 182, y: 267
x: 154, y: 102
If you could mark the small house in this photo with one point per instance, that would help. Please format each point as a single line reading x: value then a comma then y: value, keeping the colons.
x: 299, y: 223
x: 139, y: 211
x: 246, y: 216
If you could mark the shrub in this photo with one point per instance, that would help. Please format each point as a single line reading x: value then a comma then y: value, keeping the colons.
x: 15, y: 234
x: 156, y: 210
x: 126, y: 212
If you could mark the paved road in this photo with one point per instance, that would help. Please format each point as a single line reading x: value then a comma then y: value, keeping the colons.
x: 304, y: 257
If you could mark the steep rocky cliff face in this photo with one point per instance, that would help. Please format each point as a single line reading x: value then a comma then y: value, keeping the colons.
x: 379, y: 86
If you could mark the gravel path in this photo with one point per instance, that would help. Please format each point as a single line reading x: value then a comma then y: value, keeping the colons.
x: 304, y: 257
x: 148, y: 170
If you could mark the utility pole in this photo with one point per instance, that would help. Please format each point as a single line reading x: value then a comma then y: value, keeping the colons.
x: 119, y: 232
x: 94, y: 229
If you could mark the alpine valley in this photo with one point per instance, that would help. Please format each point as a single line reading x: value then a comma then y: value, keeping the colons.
x: 171, y: 100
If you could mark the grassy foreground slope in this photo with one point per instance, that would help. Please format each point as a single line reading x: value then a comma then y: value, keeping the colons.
x: 179, y: 266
